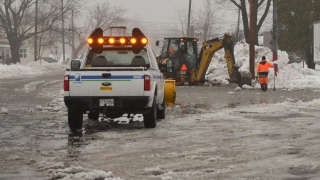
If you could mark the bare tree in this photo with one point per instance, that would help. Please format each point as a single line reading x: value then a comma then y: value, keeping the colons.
x: 17, y: 20
x: 46, y: 40
x: 206, y: 19
x: 261, y: 10
x: 180, y: 21
x: 203, y: 19
x: 99, y: 15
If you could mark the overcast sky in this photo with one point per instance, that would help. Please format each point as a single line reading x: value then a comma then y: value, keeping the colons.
x: 153, y: 10
x: 160, y: 11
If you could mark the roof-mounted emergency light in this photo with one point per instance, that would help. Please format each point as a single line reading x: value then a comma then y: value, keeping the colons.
x: 95, y: 40
x: 138, y: 40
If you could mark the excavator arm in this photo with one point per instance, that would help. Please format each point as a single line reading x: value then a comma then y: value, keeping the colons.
x: 206, y: 54
x: 207, y: 51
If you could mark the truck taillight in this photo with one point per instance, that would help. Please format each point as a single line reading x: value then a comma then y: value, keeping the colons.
x: 66, y: 83
x: 146, y: 82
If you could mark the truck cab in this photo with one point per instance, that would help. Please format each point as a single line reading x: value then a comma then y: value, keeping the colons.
x: 120, y: 75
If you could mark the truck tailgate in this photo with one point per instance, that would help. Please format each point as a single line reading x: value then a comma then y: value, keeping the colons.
x: 106, y: 83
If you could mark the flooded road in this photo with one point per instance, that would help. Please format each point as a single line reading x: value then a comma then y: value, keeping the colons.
x: 212, y: 132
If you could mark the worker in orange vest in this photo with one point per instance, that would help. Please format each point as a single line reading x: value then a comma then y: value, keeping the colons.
x: 171, y: 51
x: 262, y: 73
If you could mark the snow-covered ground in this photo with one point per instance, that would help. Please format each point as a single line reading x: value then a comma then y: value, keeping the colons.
x: 290, y: 77
x: 20, y: 70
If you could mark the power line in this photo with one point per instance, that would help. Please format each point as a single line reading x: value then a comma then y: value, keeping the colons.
x: 161, y: 30
x: 220, y: 22
x: 152, y: 22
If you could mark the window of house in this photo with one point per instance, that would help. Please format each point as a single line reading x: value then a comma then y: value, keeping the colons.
x: 7, y: 52
x: 23, y: 53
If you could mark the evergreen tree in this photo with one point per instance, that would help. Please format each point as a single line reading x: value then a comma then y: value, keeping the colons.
x: 295, y: 26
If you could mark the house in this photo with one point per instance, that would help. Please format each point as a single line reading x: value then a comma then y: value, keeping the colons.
x: 26, y: 52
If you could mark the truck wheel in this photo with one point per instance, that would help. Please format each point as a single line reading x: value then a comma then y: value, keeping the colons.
x: 150, y: 118
x: 75, y: 118
x: 93, y: 115
x: 162, y: 113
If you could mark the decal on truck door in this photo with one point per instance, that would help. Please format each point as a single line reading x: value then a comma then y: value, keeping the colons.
x: 77, y: 77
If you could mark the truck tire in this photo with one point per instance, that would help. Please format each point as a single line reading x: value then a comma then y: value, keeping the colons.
x: 150, y: 119
x: 162, y: 113
x: 93, y: 115
x: 75, y: 118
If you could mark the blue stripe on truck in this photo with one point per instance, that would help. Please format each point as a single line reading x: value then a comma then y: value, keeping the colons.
x: 112, y: 77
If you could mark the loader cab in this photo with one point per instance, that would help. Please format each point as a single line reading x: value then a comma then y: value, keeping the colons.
x: 183, y: 51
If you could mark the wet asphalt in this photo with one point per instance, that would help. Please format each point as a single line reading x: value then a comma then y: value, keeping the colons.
x: 217, y: 97
x: 27, y: 138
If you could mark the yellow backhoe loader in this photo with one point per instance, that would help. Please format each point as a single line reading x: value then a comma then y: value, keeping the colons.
x: 191, y: 68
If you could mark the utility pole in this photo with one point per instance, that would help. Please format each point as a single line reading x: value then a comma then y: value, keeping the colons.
x: 188, y: 28
x: 72, y: 56
x: 237, y: 35
x: 63, y: 48
x: 275, y: 34
x: 252, y: 38
x: 35, y: 33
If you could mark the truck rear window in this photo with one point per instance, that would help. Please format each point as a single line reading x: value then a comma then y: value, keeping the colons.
x: 118, y: 58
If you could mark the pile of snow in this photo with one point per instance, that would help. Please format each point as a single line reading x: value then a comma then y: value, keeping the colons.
x: 56, y: 105
x: 16, y: 70
x: 4, y: 110
x: 290, y: 76
x: 58, y: 171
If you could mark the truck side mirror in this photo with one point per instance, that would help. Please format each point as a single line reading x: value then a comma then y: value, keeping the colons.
x: 75, y: 65
x: 157, y: 43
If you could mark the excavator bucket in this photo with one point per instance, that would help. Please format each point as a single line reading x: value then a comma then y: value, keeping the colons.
x: 246, y: 78
x: 170, y: 92
x: 242, y: 78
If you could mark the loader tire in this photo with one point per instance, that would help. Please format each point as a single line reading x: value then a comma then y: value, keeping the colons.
x: 75, y: 118
x: 150, y: 118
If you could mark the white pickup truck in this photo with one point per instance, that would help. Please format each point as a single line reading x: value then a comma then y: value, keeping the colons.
x: 117, y: 77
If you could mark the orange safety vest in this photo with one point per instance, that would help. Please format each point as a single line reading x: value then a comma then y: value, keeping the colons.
x: 171, y: 49
x: 263, y: 70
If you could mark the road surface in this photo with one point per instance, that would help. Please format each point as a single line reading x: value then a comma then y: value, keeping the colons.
x: 214, y: 132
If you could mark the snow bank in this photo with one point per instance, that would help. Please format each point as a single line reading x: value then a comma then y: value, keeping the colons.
x: 16, y: 70
x: 290, y: 76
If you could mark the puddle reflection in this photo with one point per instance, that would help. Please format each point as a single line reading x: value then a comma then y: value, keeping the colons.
x: 80, y: 137
x: 263, y: 101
